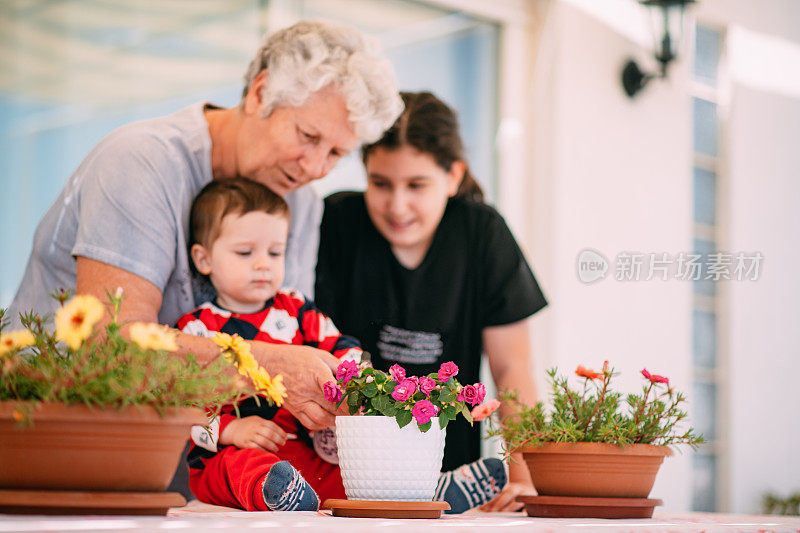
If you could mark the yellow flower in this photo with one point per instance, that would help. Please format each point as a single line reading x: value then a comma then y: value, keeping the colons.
x: 19, y: 338
x: 151, y: 336
x: 273, y: 388
x: 76, y: 319
x: 236, y: 351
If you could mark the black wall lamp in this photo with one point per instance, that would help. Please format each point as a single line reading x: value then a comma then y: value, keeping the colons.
x: 667, y: 25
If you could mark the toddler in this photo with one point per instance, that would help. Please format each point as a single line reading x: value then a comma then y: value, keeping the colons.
x: 266, y: 460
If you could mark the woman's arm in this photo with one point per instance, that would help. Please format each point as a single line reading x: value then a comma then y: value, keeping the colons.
x: 508, y: 349
x: 304, y: 369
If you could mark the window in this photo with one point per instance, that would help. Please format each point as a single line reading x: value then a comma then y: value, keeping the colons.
x: 705, y: 409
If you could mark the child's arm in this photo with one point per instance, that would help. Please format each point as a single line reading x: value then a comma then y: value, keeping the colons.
x: 254, y: 432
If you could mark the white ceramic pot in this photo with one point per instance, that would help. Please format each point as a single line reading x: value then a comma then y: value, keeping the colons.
x: 380, y: 461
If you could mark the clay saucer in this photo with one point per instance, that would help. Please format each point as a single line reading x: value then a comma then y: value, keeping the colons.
x: 385, y: 509
x: 581, y: 507
x: 70, y: 502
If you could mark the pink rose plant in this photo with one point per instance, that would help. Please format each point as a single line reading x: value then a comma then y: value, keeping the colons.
x: 371, y: 392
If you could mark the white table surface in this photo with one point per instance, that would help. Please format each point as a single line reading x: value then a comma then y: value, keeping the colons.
x: 198, y: 518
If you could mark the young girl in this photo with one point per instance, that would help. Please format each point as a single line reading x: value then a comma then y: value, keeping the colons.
x: 422, y: 271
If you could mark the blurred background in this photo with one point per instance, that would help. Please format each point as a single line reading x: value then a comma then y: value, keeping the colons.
x: 702, y: 163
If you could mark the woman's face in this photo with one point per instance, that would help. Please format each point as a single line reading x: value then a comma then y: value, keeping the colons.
x: 406, y: 196
x: 293, y: 145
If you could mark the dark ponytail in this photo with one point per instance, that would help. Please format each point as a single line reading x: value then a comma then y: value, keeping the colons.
x: 430, y: 126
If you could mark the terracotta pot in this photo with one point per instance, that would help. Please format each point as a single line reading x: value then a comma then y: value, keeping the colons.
x: 381, y: 461
x: 73, y: 447
x: 593, y: 469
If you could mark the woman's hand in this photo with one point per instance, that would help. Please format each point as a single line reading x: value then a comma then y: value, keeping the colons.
x: 305, y: 370
x: 254, y: 432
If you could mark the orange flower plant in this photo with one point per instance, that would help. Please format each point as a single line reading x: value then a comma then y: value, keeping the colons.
x: 593, y: 412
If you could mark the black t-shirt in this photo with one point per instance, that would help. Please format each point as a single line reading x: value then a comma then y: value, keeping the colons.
x: 473, y: 276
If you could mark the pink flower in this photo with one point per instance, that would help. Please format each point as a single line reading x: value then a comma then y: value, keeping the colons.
x: 472, y: 394
x: 346, y: 370
x: 447, y: 371
x: 426, y: 385
x: 479, y: 412
x: 397, y: 372
x: 423, y: 411
x: 404, y: 390
x: 655, y: 378
x: 332, y: 392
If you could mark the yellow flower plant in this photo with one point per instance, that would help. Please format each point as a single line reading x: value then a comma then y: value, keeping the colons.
x: 81, y: 363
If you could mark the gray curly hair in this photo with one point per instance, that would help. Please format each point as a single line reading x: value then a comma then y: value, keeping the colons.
x: 311, y: 55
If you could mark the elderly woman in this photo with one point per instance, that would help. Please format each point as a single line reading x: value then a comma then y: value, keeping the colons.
x: 313, y: 93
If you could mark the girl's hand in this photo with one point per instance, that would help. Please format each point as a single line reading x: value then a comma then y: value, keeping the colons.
x: 254, y: 432
x: 505, y: 501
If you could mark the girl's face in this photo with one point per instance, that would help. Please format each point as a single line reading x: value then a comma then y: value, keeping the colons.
x: 406, y: 196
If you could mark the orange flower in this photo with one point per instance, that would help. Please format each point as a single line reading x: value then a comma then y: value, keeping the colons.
x: 18, y: 416
x: 479, y: 412
x: 587, y: 373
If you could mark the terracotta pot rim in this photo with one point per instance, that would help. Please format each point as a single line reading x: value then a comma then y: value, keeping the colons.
x: 142, y: 413
x: 597, y: 448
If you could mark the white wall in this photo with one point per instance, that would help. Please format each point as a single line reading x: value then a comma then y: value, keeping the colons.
x: 612, y: 174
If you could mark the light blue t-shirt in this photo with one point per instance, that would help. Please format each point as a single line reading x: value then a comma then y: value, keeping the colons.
x: 127, y: 205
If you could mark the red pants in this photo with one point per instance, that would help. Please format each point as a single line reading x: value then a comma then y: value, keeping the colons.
x: 234, y: 476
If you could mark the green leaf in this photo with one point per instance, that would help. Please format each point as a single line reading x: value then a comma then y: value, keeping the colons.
x: 389, y: 386
x: 467, y: 414
x: 390, y: 410
x: 368, y: 371
x: 425, y: 427
x: 403, y: 418
x: 451, y: 411
x: 380, y: 402
x: 370, y: 389
x: 443, y: 420
x: 447, y: 395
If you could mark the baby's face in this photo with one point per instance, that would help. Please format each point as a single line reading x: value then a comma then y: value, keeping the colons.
x: 245, y: 263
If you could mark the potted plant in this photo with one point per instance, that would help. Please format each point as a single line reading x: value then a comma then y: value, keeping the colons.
x: 391, y: 446
x: 595, y: 442
x: 88, y: 410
